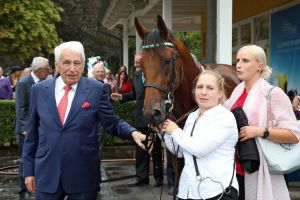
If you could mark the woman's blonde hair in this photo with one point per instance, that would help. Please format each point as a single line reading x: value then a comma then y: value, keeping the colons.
x: 260, y: 56
x: 220, y: 83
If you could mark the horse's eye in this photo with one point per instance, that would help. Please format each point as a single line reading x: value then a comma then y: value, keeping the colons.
x: 167, y: 61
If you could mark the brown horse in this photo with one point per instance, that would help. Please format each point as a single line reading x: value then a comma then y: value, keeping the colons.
x: 169, y: 71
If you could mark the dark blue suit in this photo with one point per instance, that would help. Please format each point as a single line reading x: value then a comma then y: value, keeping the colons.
x: 22, y: 111
x: 141, y: 123
x: 68, y: 154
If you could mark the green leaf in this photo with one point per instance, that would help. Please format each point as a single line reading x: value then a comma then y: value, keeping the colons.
x: 27, y: 27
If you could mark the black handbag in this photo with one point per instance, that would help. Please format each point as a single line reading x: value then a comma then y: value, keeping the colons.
x: 247, y: 151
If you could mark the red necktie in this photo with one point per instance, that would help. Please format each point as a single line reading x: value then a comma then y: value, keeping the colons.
x: 62, y: 105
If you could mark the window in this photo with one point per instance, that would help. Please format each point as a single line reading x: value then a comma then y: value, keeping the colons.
x: 246, y: 33
x: 235, y: 37
x: 261, y: 28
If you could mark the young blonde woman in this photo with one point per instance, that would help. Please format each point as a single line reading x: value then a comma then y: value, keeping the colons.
x: 253, y: 71
x: 207, y: 143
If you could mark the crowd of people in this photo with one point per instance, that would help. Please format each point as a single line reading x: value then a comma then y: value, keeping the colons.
x: 60, y: 119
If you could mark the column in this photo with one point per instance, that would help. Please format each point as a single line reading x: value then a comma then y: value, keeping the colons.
x: 224, y: 32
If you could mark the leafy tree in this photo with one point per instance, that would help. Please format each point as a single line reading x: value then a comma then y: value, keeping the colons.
x: 192, y: 40
x: 27, y: 28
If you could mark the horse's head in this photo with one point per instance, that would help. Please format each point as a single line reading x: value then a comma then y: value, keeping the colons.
x: 161, y: 66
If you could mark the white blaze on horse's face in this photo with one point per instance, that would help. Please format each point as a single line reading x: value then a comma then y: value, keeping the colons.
x: 207, y: 93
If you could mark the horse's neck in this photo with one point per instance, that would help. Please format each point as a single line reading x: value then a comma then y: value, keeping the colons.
x: 184, y: 102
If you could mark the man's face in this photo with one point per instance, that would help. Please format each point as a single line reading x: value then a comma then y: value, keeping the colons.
x: 70, y: 66
x: 42, y: 73
x: 99, y: 72
x: 137, y: 62
x: 108, y: 75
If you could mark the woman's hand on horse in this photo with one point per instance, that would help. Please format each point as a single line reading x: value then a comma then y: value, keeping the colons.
x: 248, y: 132
x: 168, y: 126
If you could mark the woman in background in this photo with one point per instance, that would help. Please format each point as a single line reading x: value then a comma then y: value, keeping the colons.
x: 124, y: 84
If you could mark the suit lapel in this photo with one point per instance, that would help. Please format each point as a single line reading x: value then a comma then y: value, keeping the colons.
x: 80, y: 96
x: 51, y: 102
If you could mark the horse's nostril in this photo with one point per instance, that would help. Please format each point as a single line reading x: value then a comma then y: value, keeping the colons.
x: 156, y: 117
x: 156, y: 112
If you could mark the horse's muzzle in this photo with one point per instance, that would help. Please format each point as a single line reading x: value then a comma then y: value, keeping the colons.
x: 156, y: 113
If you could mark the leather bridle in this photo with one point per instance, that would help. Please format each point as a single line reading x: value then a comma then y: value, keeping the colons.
x: 170, y: 89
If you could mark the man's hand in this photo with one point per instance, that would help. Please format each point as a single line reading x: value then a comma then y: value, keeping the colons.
x: 116, y: 96
x: 138, y: 137
x: 30, y: 183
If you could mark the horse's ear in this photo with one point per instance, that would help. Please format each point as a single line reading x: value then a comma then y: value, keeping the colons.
x: 142, y: 31
x: 162, y: 27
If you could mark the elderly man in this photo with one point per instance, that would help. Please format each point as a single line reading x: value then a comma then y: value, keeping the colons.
x: 60, y: 155
x: 5, y: 87
x: 99, y: 75
x: 39, y: 67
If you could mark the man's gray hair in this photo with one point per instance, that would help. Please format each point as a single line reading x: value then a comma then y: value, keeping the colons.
x: 74, y: 46
x: 39, y: 62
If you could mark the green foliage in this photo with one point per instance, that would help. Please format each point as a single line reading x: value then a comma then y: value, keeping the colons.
x: 27, y: 27
x: 192, y: 40
x: 7, y: 118
x: 126, y: 112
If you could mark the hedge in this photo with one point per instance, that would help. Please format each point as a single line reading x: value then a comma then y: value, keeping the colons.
x: 7, y: 119
x: 126, y: 112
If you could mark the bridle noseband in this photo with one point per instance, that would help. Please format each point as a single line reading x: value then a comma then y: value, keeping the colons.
x: 169, y: 91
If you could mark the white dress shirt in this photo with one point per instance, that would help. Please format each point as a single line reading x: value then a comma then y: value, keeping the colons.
x: 213, y: 143
x: 59, y: 93
x: 34, y: 77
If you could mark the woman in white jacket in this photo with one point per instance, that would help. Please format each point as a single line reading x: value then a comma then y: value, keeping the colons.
x: 210, y: 135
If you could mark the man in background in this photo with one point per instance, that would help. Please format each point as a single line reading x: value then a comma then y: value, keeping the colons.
x: 99, y: 75
x: 5, y: 87
x: 39, y: 71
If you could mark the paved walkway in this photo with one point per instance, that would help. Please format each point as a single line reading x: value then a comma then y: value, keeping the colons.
x: 116, y: 190
x: 116, y: 176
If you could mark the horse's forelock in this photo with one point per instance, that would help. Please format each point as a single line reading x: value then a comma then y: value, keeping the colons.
x: 154, y: 37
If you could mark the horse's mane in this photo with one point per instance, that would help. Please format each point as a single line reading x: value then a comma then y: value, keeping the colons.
x: 154, y: 37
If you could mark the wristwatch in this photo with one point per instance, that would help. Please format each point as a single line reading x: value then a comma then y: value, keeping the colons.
x: 266, y: 133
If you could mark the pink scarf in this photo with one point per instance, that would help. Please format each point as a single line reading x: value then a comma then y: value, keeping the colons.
x: 262, y: 185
